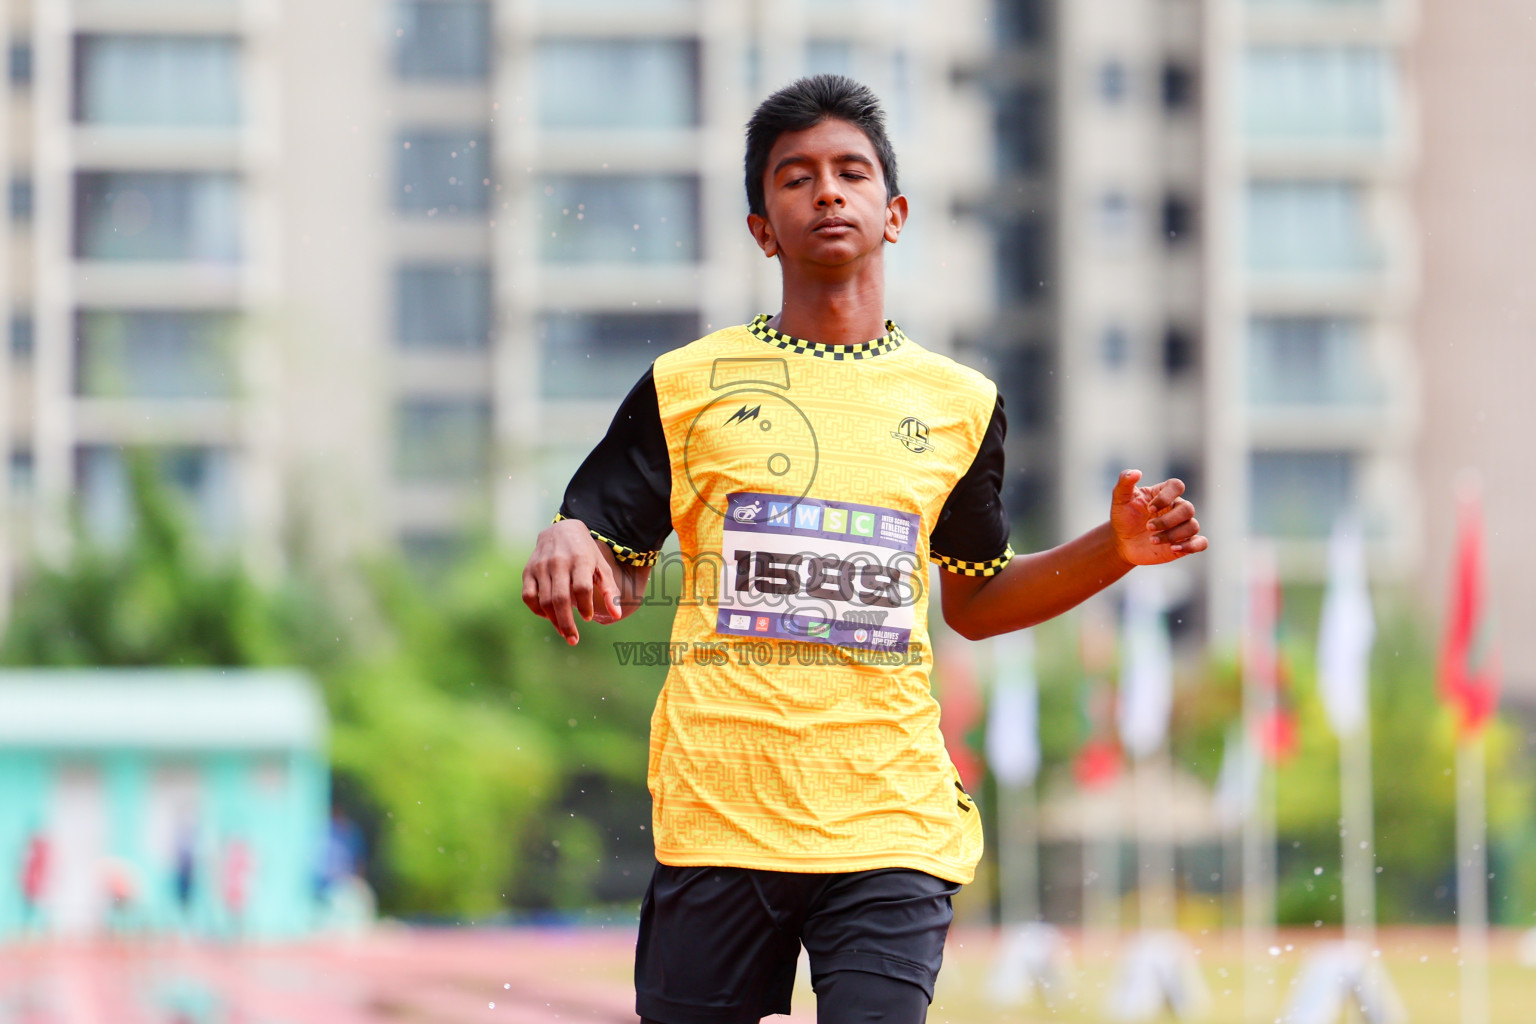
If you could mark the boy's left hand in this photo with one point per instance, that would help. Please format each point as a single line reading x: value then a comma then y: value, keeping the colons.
x: 1153, y: 525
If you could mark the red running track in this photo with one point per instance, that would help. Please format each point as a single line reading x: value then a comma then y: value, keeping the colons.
x: 532, y: 976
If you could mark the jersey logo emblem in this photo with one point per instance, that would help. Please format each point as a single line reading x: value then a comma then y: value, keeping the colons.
x: 743, y: 414
x: 913, y: 433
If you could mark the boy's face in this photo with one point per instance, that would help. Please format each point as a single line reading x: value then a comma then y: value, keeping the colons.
x: 824, y: 193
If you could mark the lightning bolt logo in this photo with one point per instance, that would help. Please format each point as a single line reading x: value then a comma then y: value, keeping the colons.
x: 743, y: 414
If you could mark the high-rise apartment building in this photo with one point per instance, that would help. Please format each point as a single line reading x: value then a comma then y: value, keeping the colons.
x: 377, y: 271
x: 1315, y: 281
x: 143, y: 152
x: 1233, y: 269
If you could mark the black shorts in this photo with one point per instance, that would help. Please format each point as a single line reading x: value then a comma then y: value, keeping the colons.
x: 719, y: 945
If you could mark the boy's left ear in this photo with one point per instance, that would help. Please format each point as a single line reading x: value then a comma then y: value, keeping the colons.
x: 895, y: 217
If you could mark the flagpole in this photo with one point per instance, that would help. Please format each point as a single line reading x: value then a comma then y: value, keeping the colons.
x: 1146, y: 701
x: 1472, y: 878
x: 1101, y: 841
x: 1013, y: 754
x: 1258, y: 893
x: 1155, y: 854
x: 1358, y: 832
x: 1018, y: 860
x: 1260, y: 677
x: 1102, y: 900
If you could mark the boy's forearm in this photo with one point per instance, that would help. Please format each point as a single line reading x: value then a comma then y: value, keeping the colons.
x: 1033, y: 588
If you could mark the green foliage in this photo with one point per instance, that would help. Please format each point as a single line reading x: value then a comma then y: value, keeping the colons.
x: 581, y: 721
x: 156, y: 601
x: 1413, y: 744
x: 469, y: 739
x: 1412, y: 750
x: 455, y: 779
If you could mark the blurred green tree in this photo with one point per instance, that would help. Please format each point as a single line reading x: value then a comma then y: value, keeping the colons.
x: 428, y: 735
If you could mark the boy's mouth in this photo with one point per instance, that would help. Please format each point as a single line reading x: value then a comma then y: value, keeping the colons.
x: 832, y: 225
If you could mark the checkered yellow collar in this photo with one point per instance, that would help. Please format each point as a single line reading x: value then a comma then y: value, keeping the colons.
x: 890, y: 342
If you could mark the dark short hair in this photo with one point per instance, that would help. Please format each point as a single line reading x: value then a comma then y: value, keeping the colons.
x: 805, y: 104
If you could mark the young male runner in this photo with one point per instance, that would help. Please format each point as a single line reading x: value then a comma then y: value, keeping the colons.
x: 812, y: 463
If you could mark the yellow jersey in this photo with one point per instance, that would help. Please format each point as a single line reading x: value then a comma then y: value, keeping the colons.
x: 796, y: 730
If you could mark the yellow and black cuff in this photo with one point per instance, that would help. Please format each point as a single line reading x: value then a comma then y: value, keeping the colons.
x: 964, y: 568
x: 623, y: 555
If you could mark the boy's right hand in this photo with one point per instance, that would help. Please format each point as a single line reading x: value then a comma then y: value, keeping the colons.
x: 570, y: 567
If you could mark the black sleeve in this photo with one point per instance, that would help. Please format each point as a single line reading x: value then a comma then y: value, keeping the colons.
x: 623, y: 491
x: 971, y: 536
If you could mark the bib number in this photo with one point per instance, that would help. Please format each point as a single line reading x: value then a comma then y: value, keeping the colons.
x: 820, y: 571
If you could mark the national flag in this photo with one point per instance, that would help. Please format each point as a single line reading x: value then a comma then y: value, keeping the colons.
x: 1264, y: 670
x: 1146, y: 668
x: 1469, y: 660
x: 1013, y: 719
x: 1346, y: 632
x: 1237, y: 781
x: 1097, y: 763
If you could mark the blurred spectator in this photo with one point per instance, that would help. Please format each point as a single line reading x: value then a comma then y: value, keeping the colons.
x: 185, y: 869
x: 237, y: 877
x: 122, y: 887
x: 343, y: 853
x: 34, y: 880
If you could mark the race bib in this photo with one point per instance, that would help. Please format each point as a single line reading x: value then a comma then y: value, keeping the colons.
x: 830, y: 572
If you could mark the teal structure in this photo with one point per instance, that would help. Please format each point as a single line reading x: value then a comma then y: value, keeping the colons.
x: 158, y: 802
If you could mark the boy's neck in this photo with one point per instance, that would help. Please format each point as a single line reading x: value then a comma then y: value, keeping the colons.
x: 834, y: 312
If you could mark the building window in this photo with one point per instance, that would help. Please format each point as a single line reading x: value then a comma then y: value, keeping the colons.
x: 443, y: 39
x: 1028, y: 381
x: 444, y: 173
x: 1114, y: 216
x: 21, y: 473
x: 601, y: 355
x: 21, y: 64
x: 1308, y: 227
x: 1321, y: 93
x: 1178, y: 219
x: 1187, y: 469
x: 157, y: 215
x: 1029, y: 497
x: 21, y: 335
x: 1024, y: 130
x: 442, y: 440
x: 1023, y: 21
x: 618, y: 83
x: 1024, y: 260
x: 191, y: 81
x: 620, y: 218
x: 1180, y: 353
x: 443, y: 306
x: 1178, y: 87
x: 200, y: 478
x: 1308, y: 360
x: 155, y: 354
x: 21, y: 199
x: 1113, y: 82
x: 1300, y: 493
x: 1114, y: 347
